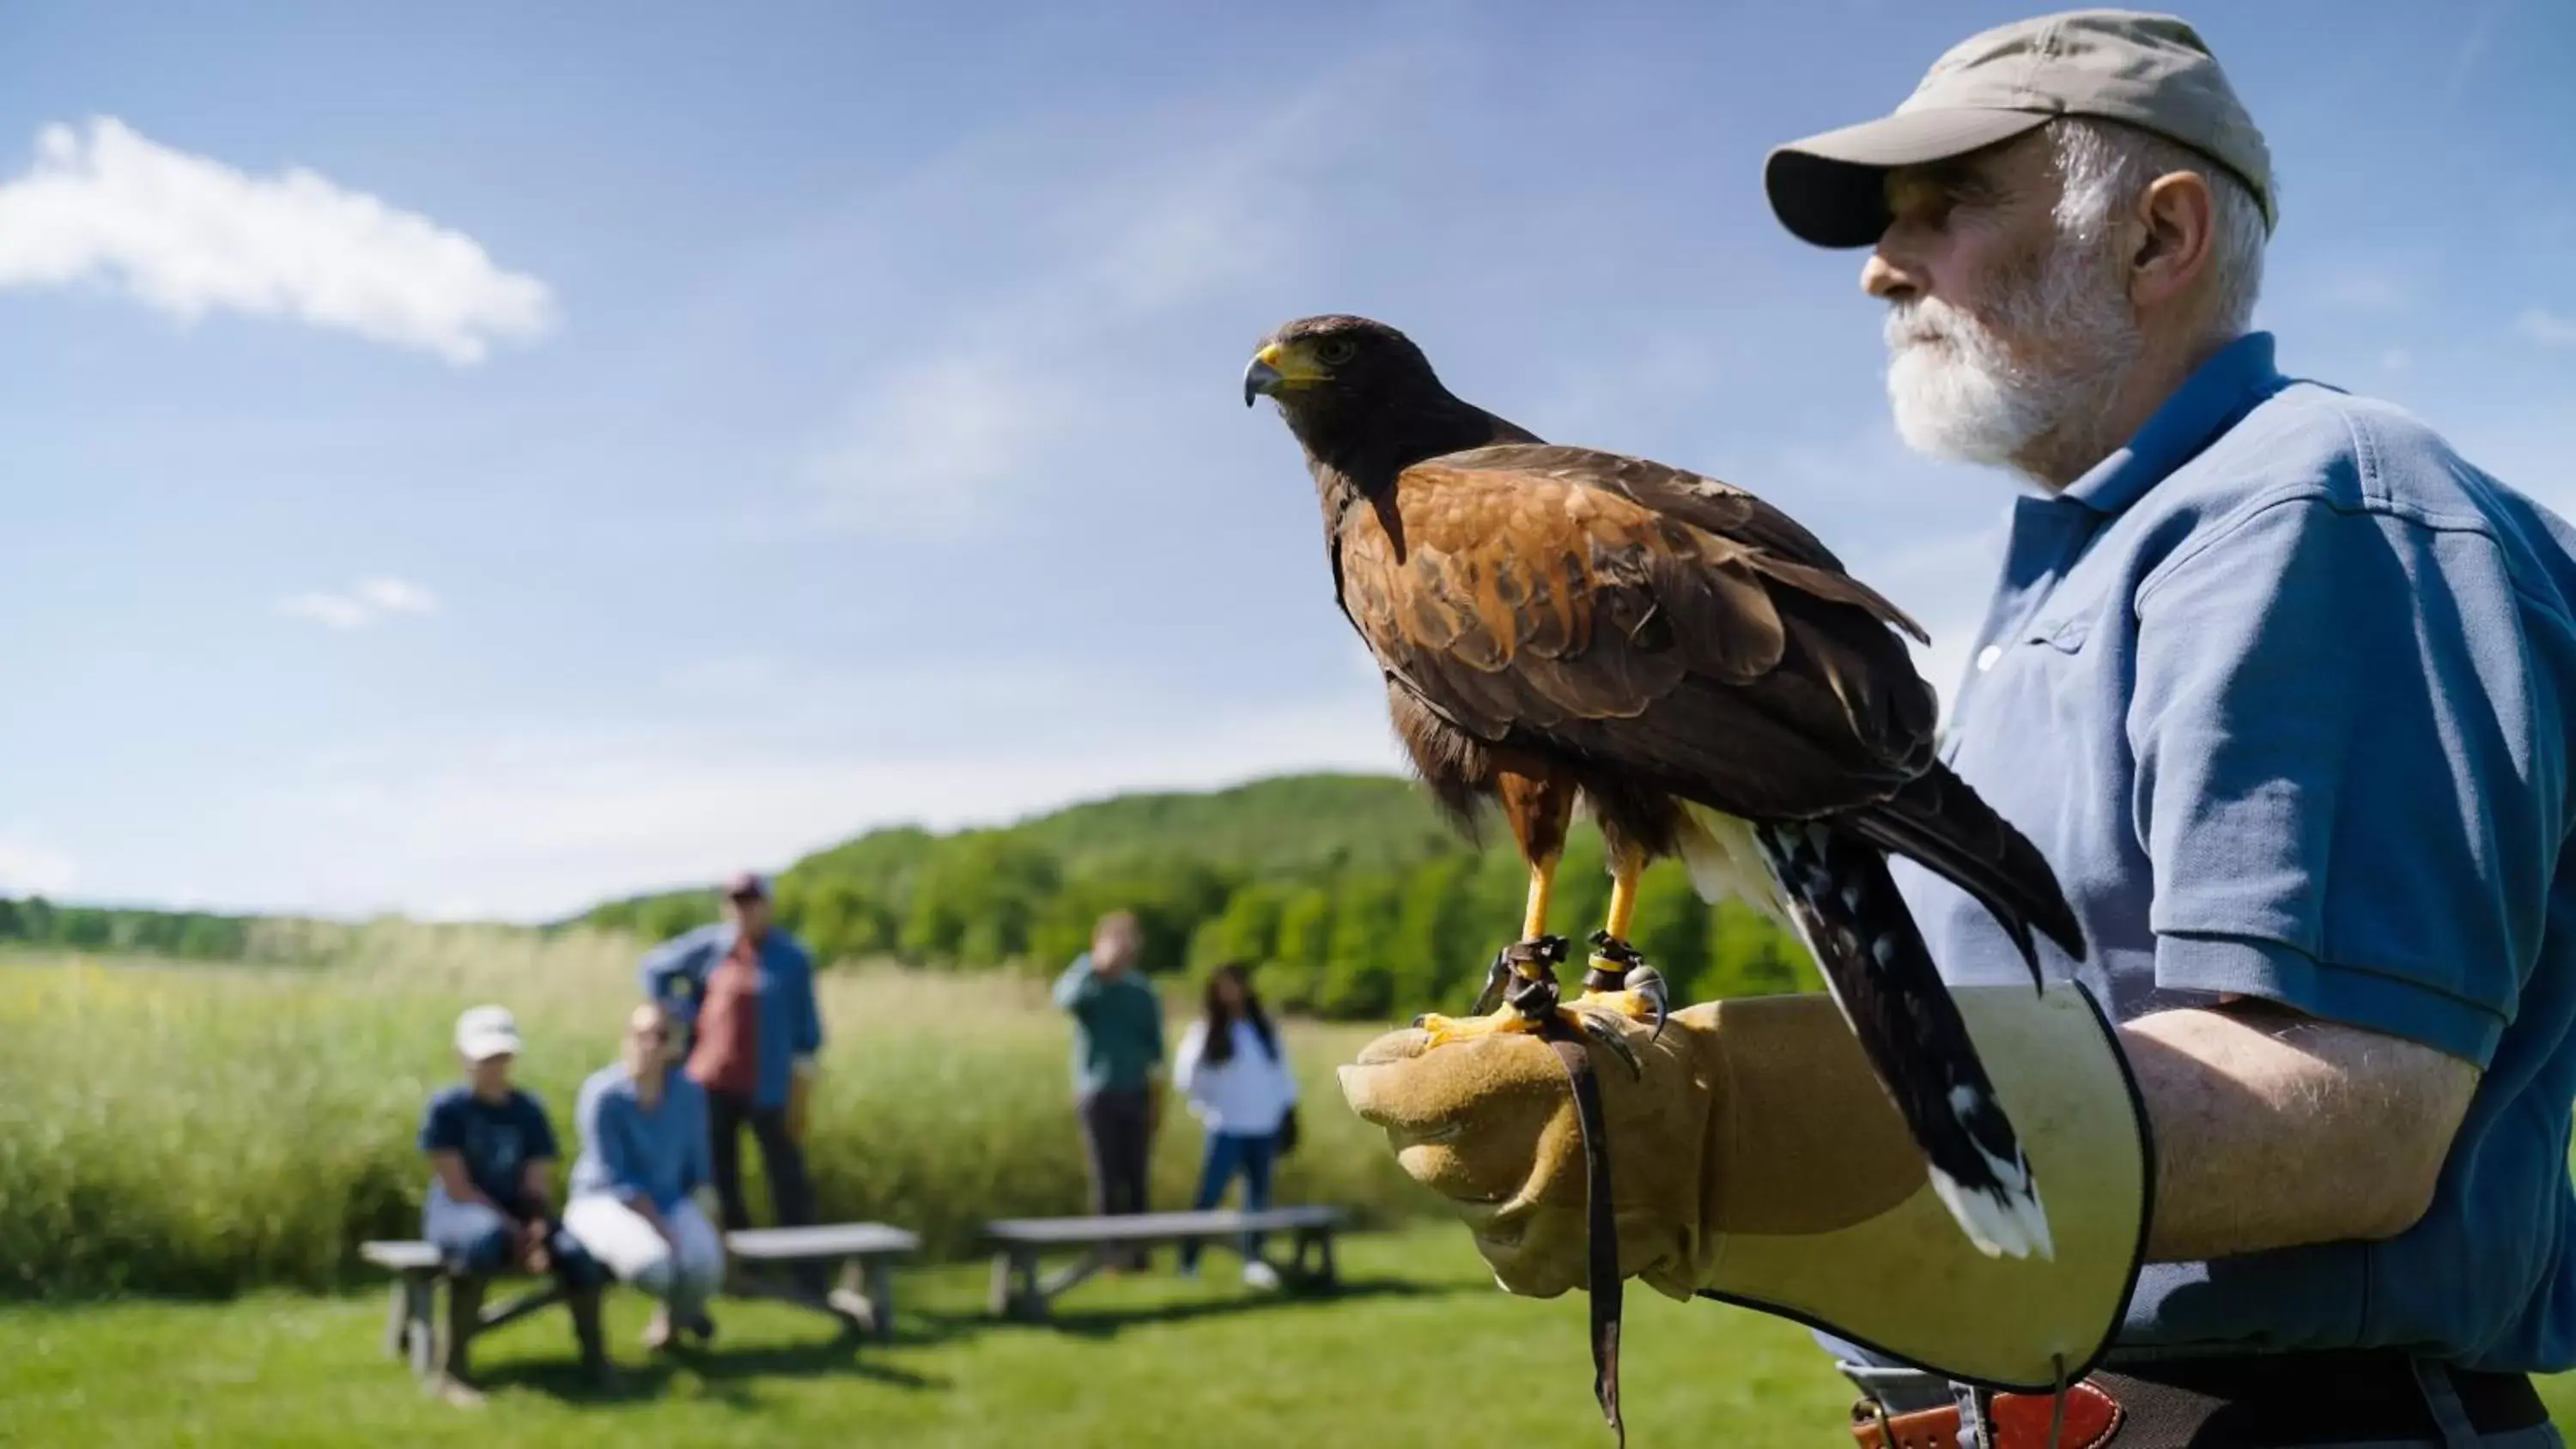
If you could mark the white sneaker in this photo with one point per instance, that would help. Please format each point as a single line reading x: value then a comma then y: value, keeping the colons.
x: 1258, y: 1274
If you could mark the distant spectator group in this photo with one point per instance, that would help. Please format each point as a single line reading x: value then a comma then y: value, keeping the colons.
x: 1229, y: 1067
x: 726, y: 1037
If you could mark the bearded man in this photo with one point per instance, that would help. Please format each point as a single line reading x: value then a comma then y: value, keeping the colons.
x: 2279, y: 684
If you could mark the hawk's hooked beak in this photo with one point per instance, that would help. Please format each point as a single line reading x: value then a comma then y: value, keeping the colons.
x: 1277, y: 367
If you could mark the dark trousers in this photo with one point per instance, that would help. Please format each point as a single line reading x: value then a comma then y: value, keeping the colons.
x: 1228, y: 1154
x: 791, y: 1191
x: 1117, y: 1135
x: 473, y: 1238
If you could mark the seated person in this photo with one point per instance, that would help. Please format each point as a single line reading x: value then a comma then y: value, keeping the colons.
x: 491, y: 1205
x: 644, y: 1152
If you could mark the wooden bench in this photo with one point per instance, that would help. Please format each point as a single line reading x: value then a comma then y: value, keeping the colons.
x: 862, y: 1300
x: 1020, y: 1292
x: 411, y: 1325
x: 862, y: 1297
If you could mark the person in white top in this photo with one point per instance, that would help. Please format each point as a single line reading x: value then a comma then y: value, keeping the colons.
x: 1235, y: 1076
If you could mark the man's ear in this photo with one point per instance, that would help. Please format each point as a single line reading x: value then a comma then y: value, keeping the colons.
x: 2177, y: 220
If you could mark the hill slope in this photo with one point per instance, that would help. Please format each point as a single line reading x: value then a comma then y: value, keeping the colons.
x: 1349, y: 891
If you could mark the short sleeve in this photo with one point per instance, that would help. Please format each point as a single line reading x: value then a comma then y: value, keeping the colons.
x: 442, y: 1126
x: 2336, y: 740
x: 540, y: 1132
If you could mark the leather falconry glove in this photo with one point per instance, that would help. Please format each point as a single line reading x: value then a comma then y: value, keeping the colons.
x: 1754, y: 1158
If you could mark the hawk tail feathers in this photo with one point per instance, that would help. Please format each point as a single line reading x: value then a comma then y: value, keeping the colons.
x: 1941, y: 824
x: 1847, y: 909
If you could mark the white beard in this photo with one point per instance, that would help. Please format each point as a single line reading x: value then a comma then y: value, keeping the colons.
x: 1961, y: 389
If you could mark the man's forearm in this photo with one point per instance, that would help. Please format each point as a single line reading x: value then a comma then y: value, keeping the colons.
x: 2275, y: 1129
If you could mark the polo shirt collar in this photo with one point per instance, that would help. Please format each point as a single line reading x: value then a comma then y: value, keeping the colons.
x: 2210, y: 401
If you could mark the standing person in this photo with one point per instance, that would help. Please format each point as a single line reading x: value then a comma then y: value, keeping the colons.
x: 745, y: 988
x: 1117, y: 1065
x: 1235, y: 1076
x: 643, y: 1158
x: 491, y: 1197
x: 2280, y: 684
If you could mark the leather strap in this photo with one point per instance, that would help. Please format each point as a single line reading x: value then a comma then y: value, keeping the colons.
x: 1601, y: 1221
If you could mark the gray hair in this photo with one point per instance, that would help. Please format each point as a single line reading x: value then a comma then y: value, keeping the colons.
x: 2107, y: 166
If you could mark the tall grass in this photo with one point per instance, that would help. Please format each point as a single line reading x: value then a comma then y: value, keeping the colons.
x: 195, y: 1130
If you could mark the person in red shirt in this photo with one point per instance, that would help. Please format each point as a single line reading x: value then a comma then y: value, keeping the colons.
x: 745, y: 987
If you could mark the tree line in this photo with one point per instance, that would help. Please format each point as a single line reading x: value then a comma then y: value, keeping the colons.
x: 1370, y: 943
x: 189, y: 935
x: 1346, y: 893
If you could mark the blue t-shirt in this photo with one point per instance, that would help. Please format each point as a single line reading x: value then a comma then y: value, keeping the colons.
x: 497, y: 1140
x: 2281, y: 689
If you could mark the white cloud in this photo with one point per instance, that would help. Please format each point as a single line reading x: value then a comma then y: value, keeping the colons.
x: 30, y: 867
x: 2546, y: 327
x: 370, y: 601
x: 187, y: 235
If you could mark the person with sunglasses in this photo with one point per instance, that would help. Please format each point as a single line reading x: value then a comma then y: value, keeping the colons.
x: 742, y: 992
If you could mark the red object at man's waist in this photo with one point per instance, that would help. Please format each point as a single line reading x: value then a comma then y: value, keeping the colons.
x: 2234, y: 1403
x: 726, y: 1057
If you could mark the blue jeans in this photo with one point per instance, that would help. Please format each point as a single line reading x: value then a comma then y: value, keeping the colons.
x: 1228, y: 1154
x: 477, y: 1239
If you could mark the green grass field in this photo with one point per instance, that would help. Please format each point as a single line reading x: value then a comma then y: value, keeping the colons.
x: 189, y: 1155
x: 1420, y: 1349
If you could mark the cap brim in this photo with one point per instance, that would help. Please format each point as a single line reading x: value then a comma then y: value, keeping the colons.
x: 484, y: 1048
x: 1831, y: 189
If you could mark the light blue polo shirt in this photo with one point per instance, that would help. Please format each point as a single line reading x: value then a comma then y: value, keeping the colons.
x: 2281, y: 690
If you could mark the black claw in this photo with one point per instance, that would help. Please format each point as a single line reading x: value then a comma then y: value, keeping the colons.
x: 1610, y: 1036
x: 1648, y: 983
x: 1497, y: 977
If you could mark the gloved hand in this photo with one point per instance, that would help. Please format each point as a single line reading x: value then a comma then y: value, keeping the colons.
x: 1755, y: 1158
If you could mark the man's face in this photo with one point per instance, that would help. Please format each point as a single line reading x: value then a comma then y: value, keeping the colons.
x: 751, y: 913
x: 1114, y: 947
x: 491, y: 1076
x: 2002, y: 329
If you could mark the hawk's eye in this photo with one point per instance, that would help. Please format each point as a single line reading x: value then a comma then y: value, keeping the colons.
x: 1336, y: 351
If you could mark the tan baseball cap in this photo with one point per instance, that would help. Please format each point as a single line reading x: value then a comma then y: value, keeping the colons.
x: 2149, y: 71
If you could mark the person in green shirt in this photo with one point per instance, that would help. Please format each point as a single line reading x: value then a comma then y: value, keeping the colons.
x: 1117, y: 1063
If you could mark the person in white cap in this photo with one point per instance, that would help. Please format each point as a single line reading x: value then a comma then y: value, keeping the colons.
x: 491, y: 1198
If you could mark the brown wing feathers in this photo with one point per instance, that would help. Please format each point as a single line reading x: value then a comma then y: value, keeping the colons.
x: 1649, y: 621
x: 1526, y: 601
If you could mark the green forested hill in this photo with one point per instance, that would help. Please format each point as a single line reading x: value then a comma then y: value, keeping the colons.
x: 1348, y: 891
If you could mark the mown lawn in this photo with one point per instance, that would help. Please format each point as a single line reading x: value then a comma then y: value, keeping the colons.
x: 1419, y: 1349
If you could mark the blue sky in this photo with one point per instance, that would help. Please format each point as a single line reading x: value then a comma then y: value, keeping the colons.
x: 472, y: 459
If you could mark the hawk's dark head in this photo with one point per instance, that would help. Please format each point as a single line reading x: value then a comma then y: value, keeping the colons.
x: 1360, y: 395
